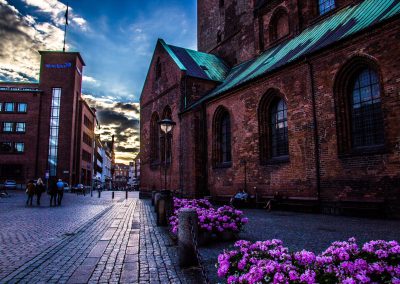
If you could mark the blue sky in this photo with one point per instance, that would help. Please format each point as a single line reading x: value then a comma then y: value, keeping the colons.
x: 116, y: 40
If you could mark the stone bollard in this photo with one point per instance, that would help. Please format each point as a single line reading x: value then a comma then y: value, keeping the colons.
x: 99, y: 194
x: 112, y: 195
x: 126, y: 194
x: 156, y: 199
x: 165, y: 207
x: 186, y: 249
x: 153, y: 195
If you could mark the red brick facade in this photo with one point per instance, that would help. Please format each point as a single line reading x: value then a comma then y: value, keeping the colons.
x: 58, y: 70
x: 321, y: 166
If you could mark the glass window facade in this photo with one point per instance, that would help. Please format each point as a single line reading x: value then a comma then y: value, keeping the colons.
x: 325, y: 6
x: 20, y: 127
x: 19, y: 147
x: 8, y: 126
x: 22, y: 107
x: 9, y: 107
x: 54, y: 131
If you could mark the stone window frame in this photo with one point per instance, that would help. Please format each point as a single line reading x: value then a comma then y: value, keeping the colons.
x: 154, y: 140
x: 343, y: 92
x: 267, y: 102
x: 272, y: 26
x: 218, y: 160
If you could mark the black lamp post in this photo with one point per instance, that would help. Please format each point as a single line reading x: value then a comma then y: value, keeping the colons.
x: 166, y: 126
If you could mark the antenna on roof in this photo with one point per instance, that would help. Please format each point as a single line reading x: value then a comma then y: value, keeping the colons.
x: 65, y: 27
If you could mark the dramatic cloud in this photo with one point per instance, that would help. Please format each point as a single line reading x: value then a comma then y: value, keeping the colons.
x: 23, y: 35
x: 120, y: 120
x: 56, y: 10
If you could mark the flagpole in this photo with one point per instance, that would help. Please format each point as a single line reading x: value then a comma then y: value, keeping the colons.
x: 65, y: 26
x: 65, y: 35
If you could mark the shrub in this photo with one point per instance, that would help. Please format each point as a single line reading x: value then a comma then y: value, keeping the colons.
x: 342, y: 262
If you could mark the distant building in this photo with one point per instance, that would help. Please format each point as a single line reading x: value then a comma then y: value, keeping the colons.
x: 47, y: 128
x: 121, y: 175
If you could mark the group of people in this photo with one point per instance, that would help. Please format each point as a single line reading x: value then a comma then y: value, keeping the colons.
x: 55, y: 190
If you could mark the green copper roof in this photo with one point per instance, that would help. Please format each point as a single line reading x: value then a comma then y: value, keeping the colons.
x: 341, y: 25
x: 197, y: 64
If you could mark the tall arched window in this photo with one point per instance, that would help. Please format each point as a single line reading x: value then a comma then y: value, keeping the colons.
x: 279, y: 25
x: 154, y: 139
x: 167, y: 113
x: 279, y: 129
x: 366, y: 112
x: 359, y: 116
x: 222, y: 152
x: 273, y: 127
x: 158, y: 68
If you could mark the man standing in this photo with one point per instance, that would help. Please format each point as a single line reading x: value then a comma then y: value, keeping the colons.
x: 60, y: 191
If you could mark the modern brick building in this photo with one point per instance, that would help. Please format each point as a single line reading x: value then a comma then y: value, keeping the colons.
x: 47, y: 127
x: 297, y: 101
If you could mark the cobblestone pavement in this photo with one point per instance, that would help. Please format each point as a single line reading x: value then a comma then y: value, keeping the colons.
x: 299, y: 231
x: 87, y: 240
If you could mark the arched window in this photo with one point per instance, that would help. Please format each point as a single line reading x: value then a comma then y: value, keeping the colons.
x: 158, y: 68
x: 366, y: 112
x: 325, y: 6
x: 273, y: 127
x: 359, y: 116
x: 167, y: 113
x: 222, y: 152
x: 154, y: 139
x: 279, y: 25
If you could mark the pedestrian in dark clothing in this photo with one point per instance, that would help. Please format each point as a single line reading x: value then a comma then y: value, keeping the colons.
x: 53, y: 192
x: 40, y: 188
x: 60, y: 191
x: 30, y: 190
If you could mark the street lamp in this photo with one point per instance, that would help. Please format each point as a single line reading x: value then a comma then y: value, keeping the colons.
x: 166, y: 126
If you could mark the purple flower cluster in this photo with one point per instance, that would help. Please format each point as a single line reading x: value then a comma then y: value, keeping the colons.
x: 343, y: 262
x: 211, y: 220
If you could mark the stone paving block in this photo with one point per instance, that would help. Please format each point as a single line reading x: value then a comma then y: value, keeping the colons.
x: 115, y: 224
x: 108, y: 234
x: 82, y: 273
x: 130, y: 272
x: 98, y: 249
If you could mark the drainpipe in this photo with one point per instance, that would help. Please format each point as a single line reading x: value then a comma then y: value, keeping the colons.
x: 316, y: 135
x: 181, y: 138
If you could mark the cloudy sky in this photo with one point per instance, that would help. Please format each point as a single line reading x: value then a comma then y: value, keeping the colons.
x: 116, y: 40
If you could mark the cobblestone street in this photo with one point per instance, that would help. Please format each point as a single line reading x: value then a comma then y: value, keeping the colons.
x: 86, y: 240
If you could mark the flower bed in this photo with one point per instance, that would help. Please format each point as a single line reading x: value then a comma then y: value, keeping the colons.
x: 210, y: 220
x: 343, y: 262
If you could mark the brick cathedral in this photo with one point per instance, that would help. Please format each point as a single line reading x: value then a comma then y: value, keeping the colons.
x: 296, y: 101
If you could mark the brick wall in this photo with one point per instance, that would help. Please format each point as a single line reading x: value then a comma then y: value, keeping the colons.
x: 361, y: 177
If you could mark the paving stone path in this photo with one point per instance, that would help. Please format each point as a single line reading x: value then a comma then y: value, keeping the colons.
x: 120, y: 244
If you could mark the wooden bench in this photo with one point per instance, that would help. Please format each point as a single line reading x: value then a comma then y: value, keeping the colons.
x: 362, y: 207
x: 299, y: 204
x: 221, y: 198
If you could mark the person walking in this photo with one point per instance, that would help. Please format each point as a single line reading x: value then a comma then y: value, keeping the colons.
x: 60, y: 191
x: 30, y: 190
x: 40, y: 188
x: 53, y: 191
